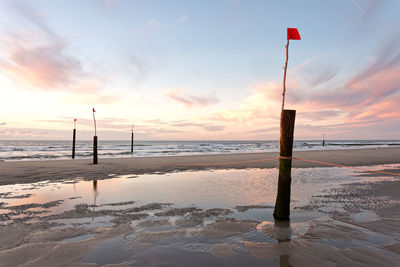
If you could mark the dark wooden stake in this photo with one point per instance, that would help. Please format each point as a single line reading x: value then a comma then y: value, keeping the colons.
x: 282, y: 205
x: 323, y: 139
x: 94, y: 149
x: 73, y: 143
x: 132, y: 142
x: 132, y: 135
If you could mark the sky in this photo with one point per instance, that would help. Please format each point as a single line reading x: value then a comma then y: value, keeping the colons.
x: 198, y: 70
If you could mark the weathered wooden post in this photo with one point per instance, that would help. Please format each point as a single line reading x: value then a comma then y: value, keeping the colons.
x: 282, y: 205
x: 73, y: 139
x: 323, y: 139
x: 132, y: 135
x: 94, y: 149
x: 94, y: 140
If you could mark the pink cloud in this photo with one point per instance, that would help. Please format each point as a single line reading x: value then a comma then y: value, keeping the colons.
x: 38, y: 58
x: 46, y: 67
x: 365, y: 99
x: 190, y: 100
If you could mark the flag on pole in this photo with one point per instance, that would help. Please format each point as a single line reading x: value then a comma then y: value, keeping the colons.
x: 94, y: 110
x: 293, y: 34
x: 74, y: 119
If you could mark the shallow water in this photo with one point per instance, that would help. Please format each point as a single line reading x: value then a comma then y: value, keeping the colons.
x: 221, y: 217
x: 203, y: 189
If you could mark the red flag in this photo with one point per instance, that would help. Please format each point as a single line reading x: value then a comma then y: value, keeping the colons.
x: 94, y: 110
x: 74, y: 119
x: 293, y: 34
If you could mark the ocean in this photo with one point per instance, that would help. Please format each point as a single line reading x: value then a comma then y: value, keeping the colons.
x: 61, y: 149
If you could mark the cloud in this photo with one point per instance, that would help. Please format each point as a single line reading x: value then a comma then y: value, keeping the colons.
x: 87, y: 123
x: 153, y: 23
x: 190, y: 100
x: 31, y: 15
x: 355, y: 3
x: 46, y: 67
x: 367, y: 11
x: 374, y: 83
x: 38, y: 58
x: 140, y: 69
x: 318, y: 73
x: 183, y: 19
x: 205, y: 126
x: 372, y: 7
x: 28, y: 133
x: 369, y: 8
x: 106, y: 3
x: 154, y: 121
x: 323, y: 100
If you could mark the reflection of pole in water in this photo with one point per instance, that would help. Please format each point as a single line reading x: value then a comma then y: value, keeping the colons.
x: 74, y: 187
x: 95, y: 197
x: 284, y: 233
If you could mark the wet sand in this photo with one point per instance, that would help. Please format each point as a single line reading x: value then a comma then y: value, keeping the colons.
x: 34, y: 171
x: 200, y: 215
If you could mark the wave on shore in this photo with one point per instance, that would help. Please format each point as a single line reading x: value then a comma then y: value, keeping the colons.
x: 61, y: 149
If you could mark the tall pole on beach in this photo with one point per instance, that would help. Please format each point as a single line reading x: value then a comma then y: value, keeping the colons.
x: 282, y: 205
x: 73, y: 139
x: 323, y: 139
x: 284, y: 77
x: 94, y: 139
x: 132, y: 135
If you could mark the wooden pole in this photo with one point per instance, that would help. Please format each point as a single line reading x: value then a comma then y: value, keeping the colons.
x: 94, y: 139
x: 73, y: 143
x: 94, y: 149
x: 73, y: 139
x: 282, y: 205
x: 323, y: 139
x: 284, y: 76
x: 94, y: 121
x: 132, y: 135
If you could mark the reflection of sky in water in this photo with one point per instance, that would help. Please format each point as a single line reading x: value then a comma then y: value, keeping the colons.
x: 168, y: 240
x: 205, y: 189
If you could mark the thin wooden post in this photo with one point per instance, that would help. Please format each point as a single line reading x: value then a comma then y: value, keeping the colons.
x: 132, y: 143
x: 132, y: 135
x: 73, y: 140
x: 323, y: 139
x: 282, y: 206
x: 284, y: 76
x: 94, y: 139
x: 94, y: 149
x: 73, y: 143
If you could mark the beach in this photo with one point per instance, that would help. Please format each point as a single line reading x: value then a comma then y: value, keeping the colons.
x: 34, y: 171
x: 202, y: 210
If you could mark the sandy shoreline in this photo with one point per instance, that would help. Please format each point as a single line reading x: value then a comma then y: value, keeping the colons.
x: 34, y: 171
x: 339, y: 216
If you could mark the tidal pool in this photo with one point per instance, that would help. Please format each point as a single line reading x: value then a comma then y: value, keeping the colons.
x: 213, y: 217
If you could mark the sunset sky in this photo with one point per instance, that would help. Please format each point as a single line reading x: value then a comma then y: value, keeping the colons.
x: 198, y: 70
